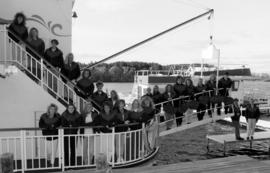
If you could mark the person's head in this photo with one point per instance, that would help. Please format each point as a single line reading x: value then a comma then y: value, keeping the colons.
x: 71, y: 108
x: 169, y: 88
x: 54, y: 43
x: 226, y: 76
x: 86, y: 73
x: 179, y: 80
x: 189, y: 82
x: 200, y: 82
x: 88, y: 107
x: 69, y: 58
x: 235, y: 101
x: 155, y: 89
x: 121, y: 104
x: 148, y: 90
x: 19, y: 19
x: 135, y: 104
x: 52, y: 109
x: 33, y: 33
x: 107, y: 107
x: 147, y: 102
x: 114, y: 95
x: 212, y: 77
x: 99, y: 85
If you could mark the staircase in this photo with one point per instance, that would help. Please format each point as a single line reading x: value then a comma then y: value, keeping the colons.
x: 41, y: 72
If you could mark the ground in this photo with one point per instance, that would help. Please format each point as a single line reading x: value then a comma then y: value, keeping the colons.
x: 190, y: 145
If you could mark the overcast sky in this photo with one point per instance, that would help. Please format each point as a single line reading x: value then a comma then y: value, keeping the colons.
x: 241, y: 30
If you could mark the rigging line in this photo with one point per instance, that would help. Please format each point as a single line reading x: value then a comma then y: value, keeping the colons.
x: 152, y: 38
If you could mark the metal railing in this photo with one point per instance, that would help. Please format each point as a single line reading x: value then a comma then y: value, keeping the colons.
x: 41, y: 72
x: 33, y: 151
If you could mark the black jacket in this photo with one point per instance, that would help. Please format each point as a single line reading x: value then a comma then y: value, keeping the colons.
x: 179, y: 89
x: 237, y: 113
x: 87, y: 86
x: 99, y: 99
x: 38, y: 46
x: 107, y: 121
x: 211, y: 85
x: 136, y: 117
x: 55, y: 58
x: 19, y: 30
x: 224, y: 85
x: 72, y: 121
x: 252, y: 113
x: 71, y: 71
x: 169, y: 107
x: 120, y: 120
x: 49, y: 125
x: 148, y: 113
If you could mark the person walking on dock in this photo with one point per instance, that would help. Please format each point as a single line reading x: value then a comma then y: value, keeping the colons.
x: 252, y: 115
x: 236, y: 119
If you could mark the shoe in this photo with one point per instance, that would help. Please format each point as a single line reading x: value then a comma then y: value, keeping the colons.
x: 251, y: 137
x: 240, y: 139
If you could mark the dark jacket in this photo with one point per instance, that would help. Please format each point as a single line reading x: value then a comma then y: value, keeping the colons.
x: 114, y: 105
x: 87, y: 86
x: 99, y: 99
x: 136, y: 117
x: 211, y: 85
x: 224, y: 85
x: 71, y: 120
x: 179, y: 89
x: 148, y: 113
x: 71, y: 71
x: 55, y: 58
x: 237, y: 113
x: 49, y: 125
x: 148, y: 94
x: 252, y: 113
x: 169, y: 107
x: 190, y: 91
x: 94, y: 122
x: 19, y: 30
x: 199, y: 89
x: 38, y: 46
x: 157, y: 98
x: 120, y: 119
x: 106, y: 120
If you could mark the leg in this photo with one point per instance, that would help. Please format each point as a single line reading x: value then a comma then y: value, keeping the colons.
x: 91, y: 148
x: 85, y: 150
x: 249, y: 128
x: 253, y: 121
x: 54, y: 150
x: 49, y: 150
x: 219, y: 108
x: 237, y: 129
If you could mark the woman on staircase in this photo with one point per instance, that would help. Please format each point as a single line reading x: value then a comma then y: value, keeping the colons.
x: 18, y: 28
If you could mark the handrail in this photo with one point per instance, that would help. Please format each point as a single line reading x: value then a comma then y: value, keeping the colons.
x: 79, y: 127
x: 49, y: 64
x: 183, y: 97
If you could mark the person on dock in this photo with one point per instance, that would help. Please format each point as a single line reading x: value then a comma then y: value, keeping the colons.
x: 211, y: 87
x: 114, y: 99
x: 236, y: 119
x: 252, y: 114
x: 202, y: 107
x: 157, y: 98
x: 148, y: 92
x: 179, y: 90
x: 224, y: 84
x: 49, y: 122
x: 168, y: 107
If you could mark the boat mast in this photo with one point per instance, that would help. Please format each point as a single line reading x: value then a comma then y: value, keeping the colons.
x: 210, y: 11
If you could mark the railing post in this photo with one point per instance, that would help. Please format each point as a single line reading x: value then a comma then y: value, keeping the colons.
x: 41, y: 72
x: 113, y: 146
x: 5, y: 45
x: 61, y: 149
x: 23, y: 150
x: 143, y: 142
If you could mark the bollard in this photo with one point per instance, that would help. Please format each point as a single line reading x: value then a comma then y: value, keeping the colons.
x: 6, y: 163
x: 102, y: 166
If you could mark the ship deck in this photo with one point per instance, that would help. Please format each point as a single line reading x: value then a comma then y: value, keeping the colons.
x: 236, y: 164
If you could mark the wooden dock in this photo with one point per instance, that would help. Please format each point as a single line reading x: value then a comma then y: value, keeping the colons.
x: 234, y: 164
x: 230, y: 139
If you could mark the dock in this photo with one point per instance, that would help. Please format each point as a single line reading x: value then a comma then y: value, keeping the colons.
x: 230, y: 139
x: 234, y: 164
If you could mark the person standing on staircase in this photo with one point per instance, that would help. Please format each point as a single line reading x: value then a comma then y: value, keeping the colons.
x: 18, y: 28
x: 85, y: 84
x: 99, y: 96
x: 54, y: 57
x: 71, y: 69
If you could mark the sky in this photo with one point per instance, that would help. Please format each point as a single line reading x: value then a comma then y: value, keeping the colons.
x: 240, y: 28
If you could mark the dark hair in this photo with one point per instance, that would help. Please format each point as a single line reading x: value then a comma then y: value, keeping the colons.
x: 121, y: 101
x: 84, y: 71
x: 20, y: 14
x: 167, y: 86
x: 191, y: 82
x: 54, y: 41
x: 117, y: 97
x: 30, y: 36
x: 70, y: 104
x: 99, y: 83
x: 227, y: 73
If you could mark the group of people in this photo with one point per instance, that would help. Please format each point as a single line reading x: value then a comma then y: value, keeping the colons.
x: 112, y: 114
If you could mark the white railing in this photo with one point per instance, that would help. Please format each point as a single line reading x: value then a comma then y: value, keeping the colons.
x: 32, y: 150
x: 40, y: 71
